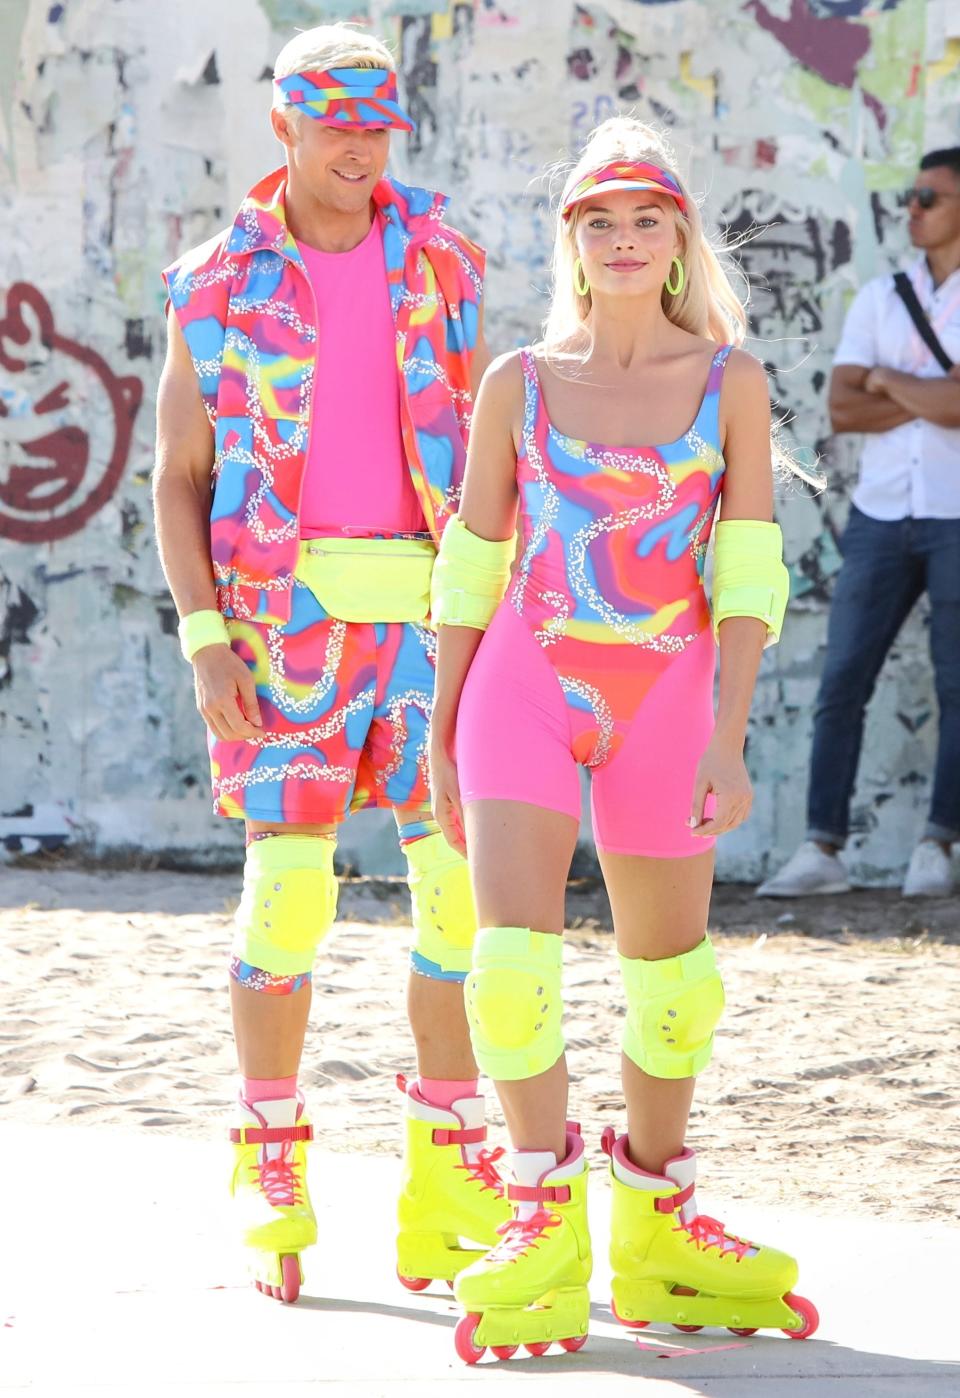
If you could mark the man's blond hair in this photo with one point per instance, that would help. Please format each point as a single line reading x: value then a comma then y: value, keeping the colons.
x: 338, y: 45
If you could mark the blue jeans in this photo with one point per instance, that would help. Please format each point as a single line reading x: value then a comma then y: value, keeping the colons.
x: 887, y: 566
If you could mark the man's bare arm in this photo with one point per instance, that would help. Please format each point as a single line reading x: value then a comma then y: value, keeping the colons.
x: 854, y: 409
x: 182, y: 492
x: 182, y: 479
x: 934, y: 400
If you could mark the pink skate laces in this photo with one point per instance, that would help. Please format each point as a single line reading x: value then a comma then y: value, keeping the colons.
x: 280, y: 1178
x: 276, y: 1172
x: 484, y: 1169
x: 521, y: 1234
x: 708, y: 1233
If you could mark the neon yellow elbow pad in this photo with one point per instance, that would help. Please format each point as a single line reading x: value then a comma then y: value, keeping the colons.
x: 470, y: 577
x: 749, y: 577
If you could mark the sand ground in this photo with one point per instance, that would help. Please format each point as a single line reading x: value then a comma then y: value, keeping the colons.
x: 835, y: 1082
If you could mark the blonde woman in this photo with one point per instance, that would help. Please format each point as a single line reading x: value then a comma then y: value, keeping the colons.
x: 601, y: 654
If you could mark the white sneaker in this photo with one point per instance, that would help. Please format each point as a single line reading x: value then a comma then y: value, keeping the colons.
x: 806, y: 872
x: 929, y: 873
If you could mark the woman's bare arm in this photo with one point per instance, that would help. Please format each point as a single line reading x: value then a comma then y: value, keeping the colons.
x: 747, y: 494
x: 488, y: 508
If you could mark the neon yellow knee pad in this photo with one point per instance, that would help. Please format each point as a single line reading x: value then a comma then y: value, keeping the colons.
x: 513, y: 1001
x: 672, y: 1008
x: 288, y: 904
x: 444, y: 918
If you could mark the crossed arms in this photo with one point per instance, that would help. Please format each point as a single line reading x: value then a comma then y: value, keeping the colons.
x: 877, y: 400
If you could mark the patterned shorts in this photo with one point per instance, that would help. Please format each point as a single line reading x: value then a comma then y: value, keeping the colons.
x: 345, y: 708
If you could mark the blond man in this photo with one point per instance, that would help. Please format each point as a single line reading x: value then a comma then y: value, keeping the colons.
x: 324, y: 351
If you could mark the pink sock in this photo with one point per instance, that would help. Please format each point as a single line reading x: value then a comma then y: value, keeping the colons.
x: 443, y: 1092
x: 268, y: 1089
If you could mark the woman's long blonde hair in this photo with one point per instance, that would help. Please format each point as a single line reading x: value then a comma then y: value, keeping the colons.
x: 708, y: 305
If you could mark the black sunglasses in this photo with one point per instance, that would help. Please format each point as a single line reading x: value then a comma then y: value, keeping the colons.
x: 926, y: 197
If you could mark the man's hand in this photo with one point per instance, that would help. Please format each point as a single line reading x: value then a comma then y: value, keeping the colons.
x: 876, y: 381
x: 226, y: 694
x: 860, y: 400
x: 934, y: 400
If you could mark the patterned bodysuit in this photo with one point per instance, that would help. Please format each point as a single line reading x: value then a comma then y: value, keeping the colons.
x: 602, y: 652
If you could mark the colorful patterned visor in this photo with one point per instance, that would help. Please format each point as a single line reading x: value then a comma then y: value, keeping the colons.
x: 625, y: 174
x: 363, y: 97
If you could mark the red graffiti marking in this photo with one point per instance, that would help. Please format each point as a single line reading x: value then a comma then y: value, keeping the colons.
x: 66, y: 422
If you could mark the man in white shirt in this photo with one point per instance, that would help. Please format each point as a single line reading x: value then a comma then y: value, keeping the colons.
x: 902, y: 538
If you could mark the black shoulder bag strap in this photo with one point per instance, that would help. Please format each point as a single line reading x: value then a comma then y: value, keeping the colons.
x: 904, y: 289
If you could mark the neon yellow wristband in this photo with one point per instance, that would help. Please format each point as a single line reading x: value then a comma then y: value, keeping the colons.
x: 199, y: 629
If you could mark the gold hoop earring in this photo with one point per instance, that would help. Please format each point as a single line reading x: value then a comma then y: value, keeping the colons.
x: 681, y: 278
x: 580, y: 278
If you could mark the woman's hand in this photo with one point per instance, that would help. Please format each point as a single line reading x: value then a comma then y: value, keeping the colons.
x: 445, y: 797
x: 721, y: 773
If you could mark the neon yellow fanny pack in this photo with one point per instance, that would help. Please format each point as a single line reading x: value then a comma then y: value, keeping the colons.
x: 369, y: 579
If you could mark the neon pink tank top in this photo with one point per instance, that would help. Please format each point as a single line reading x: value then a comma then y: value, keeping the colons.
x: 357, y: 480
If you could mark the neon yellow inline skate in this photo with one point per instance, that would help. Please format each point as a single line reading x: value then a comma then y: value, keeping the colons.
x: 269, y: 1189
x: 451, y: 1190
x: 671, y: 1263
x: 531, y: 1289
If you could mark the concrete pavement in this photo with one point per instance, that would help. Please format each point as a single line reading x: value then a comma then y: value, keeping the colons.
x: 118, y: 1276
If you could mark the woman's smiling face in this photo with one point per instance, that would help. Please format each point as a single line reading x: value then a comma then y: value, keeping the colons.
x: 627, y: 240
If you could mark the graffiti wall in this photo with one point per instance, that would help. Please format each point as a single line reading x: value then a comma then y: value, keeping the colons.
x: 129, y: 131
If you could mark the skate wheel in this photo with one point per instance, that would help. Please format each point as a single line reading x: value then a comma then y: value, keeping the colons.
x: 463, y: 1339
x: 735, y: 1330
x: 503, y: 1351
x: 573, y: 1342
x: 688, y: 1329
x: 537, y: 1347
x: 289, y: 1290
x: 413, y: 1283
x: 811, y: 1317
x: 629, y: 1324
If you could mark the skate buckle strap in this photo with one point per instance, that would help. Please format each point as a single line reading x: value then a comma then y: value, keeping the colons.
x: 269, y: 1135
x: 671, y: 1203
x: 459, y: 1136
x: 538, y: 1194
